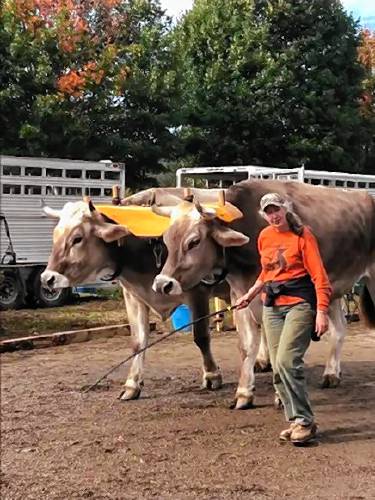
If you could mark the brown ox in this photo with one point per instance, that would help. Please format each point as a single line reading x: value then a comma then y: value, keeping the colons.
x: 343, y: 222
x: 86, y: 246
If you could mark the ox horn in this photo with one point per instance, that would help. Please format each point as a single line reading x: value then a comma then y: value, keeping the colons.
x: 206, y: 214
x: 152, y: 200
x: 199, y: 207
x: 221, y: 198
x: 51, y: 212
x: 87, y: 200
x: 163, y: 211
x: 188, y: 195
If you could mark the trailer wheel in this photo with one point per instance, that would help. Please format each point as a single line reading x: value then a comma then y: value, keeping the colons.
x: 44, y: 297
x: 11, y: 296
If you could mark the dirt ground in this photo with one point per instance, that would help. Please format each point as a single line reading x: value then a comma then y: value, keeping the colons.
x: 179, y: 441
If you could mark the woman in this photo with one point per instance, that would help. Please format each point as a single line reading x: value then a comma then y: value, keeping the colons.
x: 296, y: 294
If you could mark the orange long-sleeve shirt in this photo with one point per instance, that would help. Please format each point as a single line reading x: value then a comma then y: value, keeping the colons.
x: 285, y: 256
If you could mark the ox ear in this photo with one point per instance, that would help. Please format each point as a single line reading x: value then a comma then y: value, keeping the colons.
x: 110, y: 232
x: 227, y: 237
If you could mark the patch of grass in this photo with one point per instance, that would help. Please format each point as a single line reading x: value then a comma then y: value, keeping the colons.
x: 85, y: 313
x: 110, y: 293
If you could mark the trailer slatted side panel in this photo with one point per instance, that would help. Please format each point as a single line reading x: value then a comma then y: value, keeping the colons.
x: 30, y: 229
x: 227, y: 175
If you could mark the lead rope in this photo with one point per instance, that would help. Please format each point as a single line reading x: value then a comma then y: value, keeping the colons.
x: 160, y: 339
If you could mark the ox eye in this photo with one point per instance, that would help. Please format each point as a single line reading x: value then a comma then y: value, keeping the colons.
x: 77, y: 240
x: 193, y: 243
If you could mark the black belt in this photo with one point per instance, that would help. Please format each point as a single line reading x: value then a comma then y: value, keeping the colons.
x: 299, y: 287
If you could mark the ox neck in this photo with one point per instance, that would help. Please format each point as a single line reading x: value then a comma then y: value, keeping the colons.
x: 219, y: 273
x: 117, y: 256
x: 136, y: 256
x: 243, y: 260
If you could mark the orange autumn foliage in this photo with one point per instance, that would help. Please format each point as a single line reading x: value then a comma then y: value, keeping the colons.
x: 366, y: 55
x: 75, y: 82
x: 71, y: 83
x: 70, y: 18
x: 92, y: 73
x: 366, y: 52
x: 70, y: 24
x: 66, y: 17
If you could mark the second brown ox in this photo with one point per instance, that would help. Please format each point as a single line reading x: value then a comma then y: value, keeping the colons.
x: 343, y: 222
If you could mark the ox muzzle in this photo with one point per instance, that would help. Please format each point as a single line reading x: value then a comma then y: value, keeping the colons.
x: 53, y: 280
x: 166, y: 285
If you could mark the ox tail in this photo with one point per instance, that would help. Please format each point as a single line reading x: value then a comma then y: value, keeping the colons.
x: 367, y: 307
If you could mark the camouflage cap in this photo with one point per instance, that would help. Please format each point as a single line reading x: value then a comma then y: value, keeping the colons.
x: 272, y: 199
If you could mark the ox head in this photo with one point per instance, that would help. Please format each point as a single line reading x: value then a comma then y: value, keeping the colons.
x: 83, y: 242
x: 196, y: 241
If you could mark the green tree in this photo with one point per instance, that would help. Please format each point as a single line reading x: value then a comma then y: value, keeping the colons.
x: 272, y: 82
x: 87, y: 79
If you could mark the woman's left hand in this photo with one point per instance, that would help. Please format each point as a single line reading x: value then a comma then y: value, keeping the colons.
x: 321, y: 323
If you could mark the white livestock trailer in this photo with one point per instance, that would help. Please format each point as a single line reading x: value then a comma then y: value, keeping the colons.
x: 224, y: 177
x: 26, y: 233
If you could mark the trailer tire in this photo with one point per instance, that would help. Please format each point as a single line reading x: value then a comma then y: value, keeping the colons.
x: 11, y: 294
x: 43, y: 297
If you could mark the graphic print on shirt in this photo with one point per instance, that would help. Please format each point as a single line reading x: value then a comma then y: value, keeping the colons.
x: 274, y: 259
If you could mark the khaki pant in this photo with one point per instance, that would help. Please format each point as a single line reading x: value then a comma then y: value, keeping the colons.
x: 288, y: 332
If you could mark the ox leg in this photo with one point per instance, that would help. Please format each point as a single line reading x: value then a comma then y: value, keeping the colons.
x: 369, y: 310
x: 248, y: 331
x: 337, y: 330
x: 212, y: 378
x: 248, y: 343
x: 263, y: 363
x: 138, y: 316
x: 247, y: 324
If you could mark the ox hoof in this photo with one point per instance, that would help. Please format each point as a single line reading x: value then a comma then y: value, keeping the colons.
x: 330, y: 381
x: 262, y: 366
x: 129, y: 394
x: 243, y: 403
x: 212, y: 382
x: 277, y: 403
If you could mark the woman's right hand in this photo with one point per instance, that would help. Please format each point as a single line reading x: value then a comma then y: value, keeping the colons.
x: 243, y: 301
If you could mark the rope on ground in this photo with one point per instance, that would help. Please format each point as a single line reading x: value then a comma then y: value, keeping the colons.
x: 157, y: 341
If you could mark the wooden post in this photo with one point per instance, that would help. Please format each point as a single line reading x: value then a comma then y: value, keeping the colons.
x: 219, y: 318
x: 223, y: 321
x: 116, y: 195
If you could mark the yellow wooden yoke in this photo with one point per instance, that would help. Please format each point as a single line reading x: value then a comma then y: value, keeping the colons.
x: 142, y: 221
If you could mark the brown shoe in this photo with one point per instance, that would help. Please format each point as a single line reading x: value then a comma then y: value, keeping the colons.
x: 302, y: 434
x: 286, y: 433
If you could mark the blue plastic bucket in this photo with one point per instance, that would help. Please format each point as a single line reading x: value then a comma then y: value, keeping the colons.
x: 86, y: 289
x: 180, y: 317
